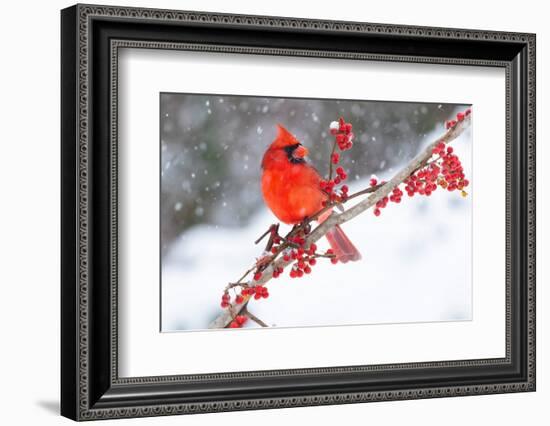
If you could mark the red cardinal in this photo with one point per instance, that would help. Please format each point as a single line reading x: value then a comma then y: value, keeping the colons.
x: 291, y: 189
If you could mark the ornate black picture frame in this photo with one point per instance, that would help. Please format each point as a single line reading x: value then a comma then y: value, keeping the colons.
x: 91, y: 387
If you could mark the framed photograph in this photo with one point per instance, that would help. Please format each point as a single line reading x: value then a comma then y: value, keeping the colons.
x: 263, y: 212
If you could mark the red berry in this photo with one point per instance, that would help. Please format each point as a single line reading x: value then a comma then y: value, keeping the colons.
x: 460, y: 116
x: 333, y: 260
x: 312, y: 261
x: 377, y: 211
x: 342, y: 124
x: 239, y: 299
x: 257, y: 276
x: 335, y: 158
x: 449, y: 124
x: 307, y: 270
x: 241, y: 319
x: 339, y: 171
x: 234, y: 324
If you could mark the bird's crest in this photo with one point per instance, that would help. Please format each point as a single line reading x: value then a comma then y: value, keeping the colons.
x: 284, y: 138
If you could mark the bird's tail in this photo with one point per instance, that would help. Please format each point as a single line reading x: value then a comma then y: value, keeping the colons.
x: 341, y: 245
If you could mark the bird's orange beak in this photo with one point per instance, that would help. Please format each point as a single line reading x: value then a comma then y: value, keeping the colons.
x: 300, y: 152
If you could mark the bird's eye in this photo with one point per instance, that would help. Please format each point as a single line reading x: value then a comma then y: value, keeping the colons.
x: 296, y: 153
x: 291, y: 148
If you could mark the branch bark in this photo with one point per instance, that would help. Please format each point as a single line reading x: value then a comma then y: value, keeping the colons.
x: 419, y: 161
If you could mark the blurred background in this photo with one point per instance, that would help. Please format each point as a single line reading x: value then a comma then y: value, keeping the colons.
x: 212, y: 210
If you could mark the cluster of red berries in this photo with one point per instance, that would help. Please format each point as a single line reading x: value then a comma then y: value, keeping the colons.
x: 343, y: 133
x: 341, y: 175
x: 258, y: 291
x: 444, y: 171
x: 424, y: 181
x: 452, y: 173
x: 344, y: 139
x: 395, y: 197
x: 277, y: 272
x: 238, y: 322
x: 304, y: 259
x: 329, y: 185
x: 459, y: 117
x: 226, y: 300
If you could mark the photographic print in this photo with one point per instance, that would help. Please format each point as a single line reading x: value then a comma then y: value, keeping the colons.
x: 275, y: 212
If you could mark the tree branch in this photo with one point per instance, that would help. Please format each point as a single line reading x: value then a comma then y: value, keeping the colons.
x: 376, y: 194
x: 254, y: 318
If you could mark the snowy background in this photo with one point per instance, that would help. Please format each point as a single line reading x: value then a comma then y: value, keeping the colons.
x: 416, y: 264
